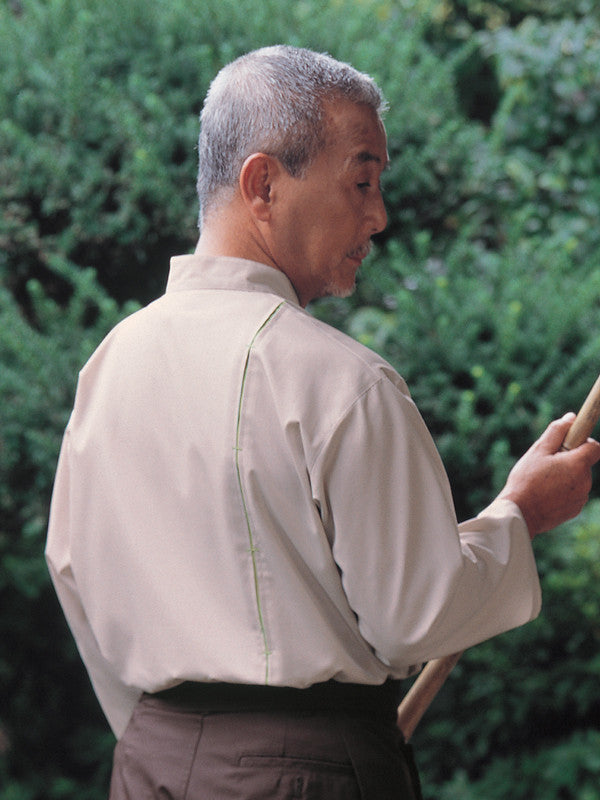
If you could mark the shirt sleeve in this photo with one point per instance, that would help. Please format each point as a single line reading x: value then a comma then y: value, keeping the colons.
x: 421, y: 585
x: 117, y: 700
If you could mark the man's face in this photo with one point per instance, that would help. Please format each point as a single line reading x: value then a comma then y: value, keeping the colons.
x: 324, y: 221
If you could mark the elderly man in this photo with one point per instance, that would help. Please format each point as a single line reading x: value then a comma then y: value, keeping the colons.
x: 251, y: 533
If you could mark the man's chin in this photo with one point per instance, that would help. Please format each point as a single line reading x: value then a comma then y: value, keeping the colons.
x: 335, y: 289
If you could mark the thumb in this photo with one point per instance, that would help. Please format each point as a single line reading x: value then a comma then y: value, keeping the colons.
x: 554, y: 435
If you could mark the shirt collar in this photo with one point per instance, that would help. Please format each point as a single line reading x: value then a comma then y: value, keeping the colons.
x: 195, y: 272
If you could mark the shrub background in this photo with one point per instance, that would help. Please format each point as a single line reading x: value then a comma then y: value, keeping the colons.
x: 483, y: 291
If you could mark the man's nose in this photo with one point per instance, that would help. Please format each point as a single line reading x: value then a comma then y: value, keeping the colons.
x: 378, y: 214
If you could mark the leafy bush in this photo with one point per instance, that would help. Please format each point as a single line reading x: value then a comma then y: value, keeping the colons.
x: 42, y: 678
x: 97, y: 135
x: 568, y: 771
x: 483, y: 292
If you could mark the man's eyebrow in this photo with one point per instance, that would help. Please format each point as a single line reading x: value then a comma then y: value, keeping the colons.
x: 365, y: 156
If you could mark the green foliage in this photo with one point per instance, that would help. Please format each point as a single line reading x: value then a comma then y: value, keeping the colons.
x: 484, y: 293
x: 98, y: 132
x: 41, y: 677
x: 548, y: 119
x: 565, y: 771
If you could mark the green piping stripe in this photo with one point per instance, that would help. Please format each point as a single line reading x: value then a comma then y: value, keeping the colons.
x: 253, y: 548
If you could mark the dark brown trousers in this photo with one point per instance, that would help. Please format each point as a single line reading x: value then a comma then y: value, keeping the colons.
x: 174, y: 753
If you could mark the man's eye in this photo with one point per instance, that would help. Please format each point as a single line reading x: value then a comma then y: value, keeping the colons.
x: 364, y: 185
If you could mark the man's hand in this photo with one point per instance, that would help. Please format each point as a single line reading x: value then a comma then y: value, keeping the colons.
x: 551, y: 486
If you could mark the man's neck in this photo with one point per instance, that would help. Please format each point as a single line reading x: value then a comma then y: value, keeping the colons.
x: 229, y: 234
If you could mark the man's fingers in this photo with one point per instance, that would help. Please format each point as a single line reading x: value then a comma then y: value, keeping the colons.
x: 590, y: 452
x: 550, y: 485
x: 554, y: 435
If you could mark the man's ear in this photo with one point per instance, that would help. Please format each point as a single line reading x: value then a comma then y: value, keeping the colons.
x: 257, y: 176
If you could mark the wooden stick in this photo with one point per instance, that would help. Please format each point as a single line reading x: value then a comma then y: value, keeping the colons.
x: 420, y: 695
x: 586, y: 419
x: 424, y: 689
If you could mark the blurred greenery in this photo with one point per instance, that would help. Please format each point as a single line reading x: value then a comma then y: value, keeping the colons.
x: 483, y: 292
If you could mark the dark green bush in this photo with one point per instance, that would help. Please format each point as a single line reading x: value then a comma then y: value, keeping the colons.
x: 567, y: 771
x: 49, y: 719
x: 483, y: 292
x: 97, y: 137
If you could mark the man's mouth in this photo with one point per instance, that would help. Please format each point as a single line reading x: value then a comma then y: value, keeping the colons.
x: 360, y: 252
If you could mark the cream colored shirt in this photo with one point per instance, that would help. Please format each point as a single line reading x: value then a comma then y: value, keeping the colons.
x: 245, y: 494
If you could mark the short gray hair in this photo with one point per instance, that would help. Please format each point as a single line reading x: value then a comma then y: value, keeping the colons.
x: 271, y: 101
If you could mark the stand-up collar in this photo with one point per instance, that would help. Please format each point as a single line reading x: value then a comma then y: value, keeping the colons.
x: 195, y: 272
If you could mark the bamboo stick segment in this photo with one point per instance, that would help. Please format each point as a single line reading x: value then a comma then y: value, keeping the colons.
x: 421, y: 693
x: 586, y: 419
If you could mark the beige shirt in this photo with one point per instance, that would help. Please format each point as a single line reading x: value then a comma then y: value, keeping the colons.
x: 245, y: 494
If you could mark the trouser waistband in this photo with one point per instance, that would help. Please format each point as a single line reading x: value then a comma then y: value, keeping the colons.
x: 330, y: 697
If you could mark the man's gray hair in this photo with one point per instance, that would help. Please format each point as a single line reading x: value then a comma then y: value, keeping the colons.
x: 271, y: 101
